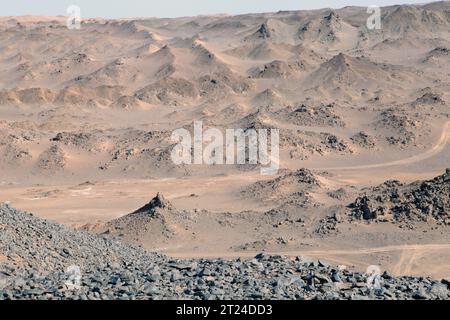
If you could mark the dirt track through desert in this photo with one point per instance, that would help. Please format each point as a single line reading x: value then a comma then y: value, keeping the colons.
x: 404, y: 266
x: 434, y: 150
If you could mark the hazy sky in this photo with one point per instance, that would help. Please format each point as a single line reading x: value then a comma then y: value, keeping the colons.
x: 173, y: 8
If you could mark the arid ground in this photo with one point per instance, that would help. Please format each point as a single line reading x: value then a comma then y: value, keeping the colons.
x: 86, y: 118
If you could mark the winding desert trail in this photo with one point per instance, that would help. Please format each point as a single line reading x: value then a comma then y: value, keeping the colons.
x: 405, y: 265
x: 329, y: 252
x: 250, y: 177
x: 437, y: 148
x: 434, y: 150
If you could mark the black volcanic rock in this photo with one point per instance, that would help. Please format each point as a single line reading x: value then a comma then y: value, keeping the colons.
x: 263, y: 31
x: 157, y: 202
x: 417, y: 201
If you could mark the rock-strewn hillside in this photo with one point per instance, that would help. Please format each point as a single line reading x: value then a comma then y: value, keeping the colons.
x: 417, y: 201
x: 35, y: 253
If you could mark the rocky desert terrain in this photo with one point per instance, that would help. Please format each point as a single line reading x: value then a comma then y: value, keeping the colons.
x: 86, y: 118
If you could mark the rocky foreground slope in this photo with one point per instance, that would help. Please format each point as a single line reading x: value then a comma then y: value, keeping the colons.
x: 37, y: 260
